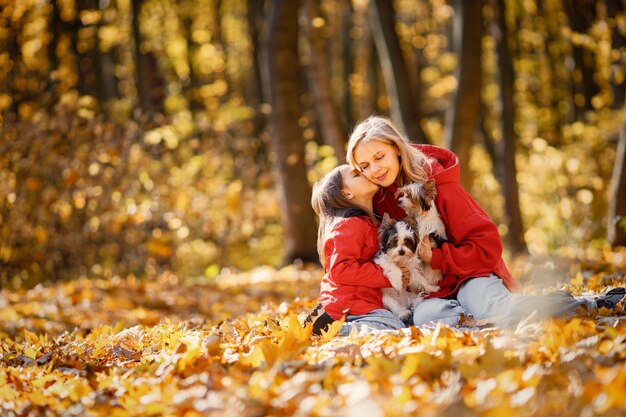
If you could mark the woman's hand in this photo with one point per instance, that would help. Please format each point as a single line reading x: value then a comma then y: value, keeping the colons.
x: 424, y: 250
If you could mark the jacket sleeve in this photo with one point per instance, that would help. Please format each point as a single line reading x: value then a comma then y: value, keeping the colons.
x: 344, y: 252
x: 474, y: 248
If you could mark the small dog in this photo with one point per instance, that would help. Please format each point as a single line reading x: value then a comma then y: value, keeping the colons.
x: 401, y: 265
x: 418, y: 200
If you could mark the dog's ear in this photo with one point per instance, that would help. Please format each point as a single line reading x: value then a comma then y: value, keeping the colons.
x: 385, y: 230
x: 412, y: 222
x: 387, y: 221
x: 401, y: 192
x: 430, y: 189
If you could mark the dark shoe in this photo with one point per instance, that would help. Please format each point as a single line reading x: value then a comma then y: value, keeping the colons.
x: 320, y: 319
x: 611, y: 298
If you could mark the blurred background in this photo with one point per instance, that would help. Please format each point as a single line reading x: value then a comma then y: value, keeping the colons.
x: 142, y: 136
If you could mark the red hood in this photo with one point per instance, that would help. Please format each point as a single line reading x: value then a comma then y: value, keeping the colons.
x: 446, y: 167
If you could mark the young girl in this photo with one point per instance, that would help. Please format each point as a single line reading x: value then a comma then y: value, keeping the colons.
x: 475, y: 279
x: 347, y: 242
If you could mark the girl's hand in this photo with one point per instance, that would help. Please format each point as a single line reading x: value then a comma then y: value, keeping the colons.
x: 424, y: 250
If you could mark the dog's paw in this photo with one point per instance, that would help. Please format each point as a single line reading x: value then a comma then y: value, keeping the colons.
x: 432, y: 288
x: 394, y: 275
x: 404, y: 314
x: 415, y: 302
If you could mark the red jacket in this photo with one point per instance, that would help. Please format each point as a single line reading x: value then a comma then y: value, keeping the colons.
x: 474, y: 248
x: 352, y: 281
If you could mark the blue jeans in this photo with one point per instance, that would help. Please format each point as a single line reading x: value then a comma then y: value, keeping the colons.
x: 487, y: 297
x: 380, y: 319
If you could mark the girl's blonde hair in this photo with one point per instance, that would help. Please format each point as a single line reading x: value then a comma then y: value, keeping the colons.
x: 415, y: 166
x: 330, y: 204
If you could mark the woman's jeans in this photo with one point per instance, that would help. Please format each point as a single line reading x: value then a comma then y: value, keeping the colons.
x: 487, y: 297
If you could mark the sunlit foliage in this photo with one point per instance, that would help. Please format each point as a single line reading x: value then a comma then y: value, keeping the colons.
x: 133, y: 138
x: 166, y: 346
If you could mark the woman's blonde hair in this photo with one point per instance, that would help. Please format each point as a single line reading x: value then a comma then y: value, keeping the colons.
x: 415, y: 166
x: 331, y: 205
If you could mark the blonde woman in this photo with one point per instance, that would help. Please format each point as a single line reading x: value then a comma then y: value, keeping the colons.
x: 475, y: 278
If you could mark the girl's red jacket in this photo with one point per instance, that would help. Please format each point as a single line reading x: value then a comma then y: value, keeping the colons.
x: 352, y: 282
x: 474, y: 248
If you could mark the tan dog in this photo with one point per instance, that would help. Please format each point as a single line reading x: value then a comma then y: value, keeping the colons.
x: 418, y: 200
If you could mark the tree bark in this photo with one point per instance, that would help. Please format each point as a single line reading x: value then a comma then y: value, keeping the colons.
x: 281, y: 72
x: 506, y: 147
x: 404, y: 109
x: 581, y: 16
x: 255, y: 86
x: 462, y: 118
x: 366, y: 66
x: 85, y: 61
x: 618, y: 41
x: 56, y: 26
x: 143, y: 95
x: 616, y: 231
x: 348, y: 60
x: 319, y: 81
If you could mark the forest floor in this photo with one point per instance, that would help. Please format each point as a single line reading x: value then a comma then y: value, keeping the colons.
x: 235, y: 347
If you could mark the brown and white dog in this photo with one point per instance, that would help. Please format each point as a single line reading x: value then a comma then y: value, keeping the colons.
x: 403, y: 268
x: 418, y: 200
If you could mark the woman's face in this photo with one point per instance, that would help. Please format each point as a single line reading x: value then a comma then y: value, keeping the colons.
x: 378, y: 161
x: 356, y: 185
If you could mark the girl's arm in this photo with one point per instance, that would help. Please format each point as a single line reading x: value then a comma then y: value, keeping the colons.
x: 346, y: 255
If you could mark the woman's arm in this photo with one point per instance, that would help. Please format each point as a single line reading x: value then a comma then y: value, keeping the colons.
x: 474, y: 247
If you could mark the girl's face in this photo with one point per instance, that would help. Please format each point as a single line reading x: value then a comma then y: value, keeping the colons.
x: 378, y: 161
x: 356, y: 187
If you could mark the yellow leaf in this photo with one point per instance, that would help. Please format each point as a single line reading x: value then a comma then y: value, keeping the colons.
x: 578, y: 280
x: 7, y: 393
x: 410, y: 367
x: 253, y: 359
x: 293, y: 326
x: 425, y: 365
x: 31, y: 337
x: 332, y: 330
x: 30, y: 352
x: 189, y: 357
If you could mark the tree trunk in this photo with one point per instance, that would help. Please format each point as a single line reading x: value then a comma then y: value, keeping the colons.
x: 506, y: 146
x: 255, y: 23
x: 616, y: 231
x: 86, y: 62
x: 404, y: 109
x: 581, y: 16
x: 281, y: 72
x: 366, y: 67
x: 348, y: 60
x: 462, y: 118
x: 105, y: 74
x: 319, y: 81
x: 618, y: 42
x: 56, y: 26
x: 143, y: 97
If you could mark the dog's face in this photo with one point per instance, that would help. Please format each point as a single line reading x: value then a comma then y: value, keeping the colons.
x: 399, y: 240
x: 418, y: 197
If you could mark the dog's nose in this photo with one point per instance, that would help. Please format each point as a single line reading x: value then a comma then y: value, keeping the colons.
x: 401, y: 252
